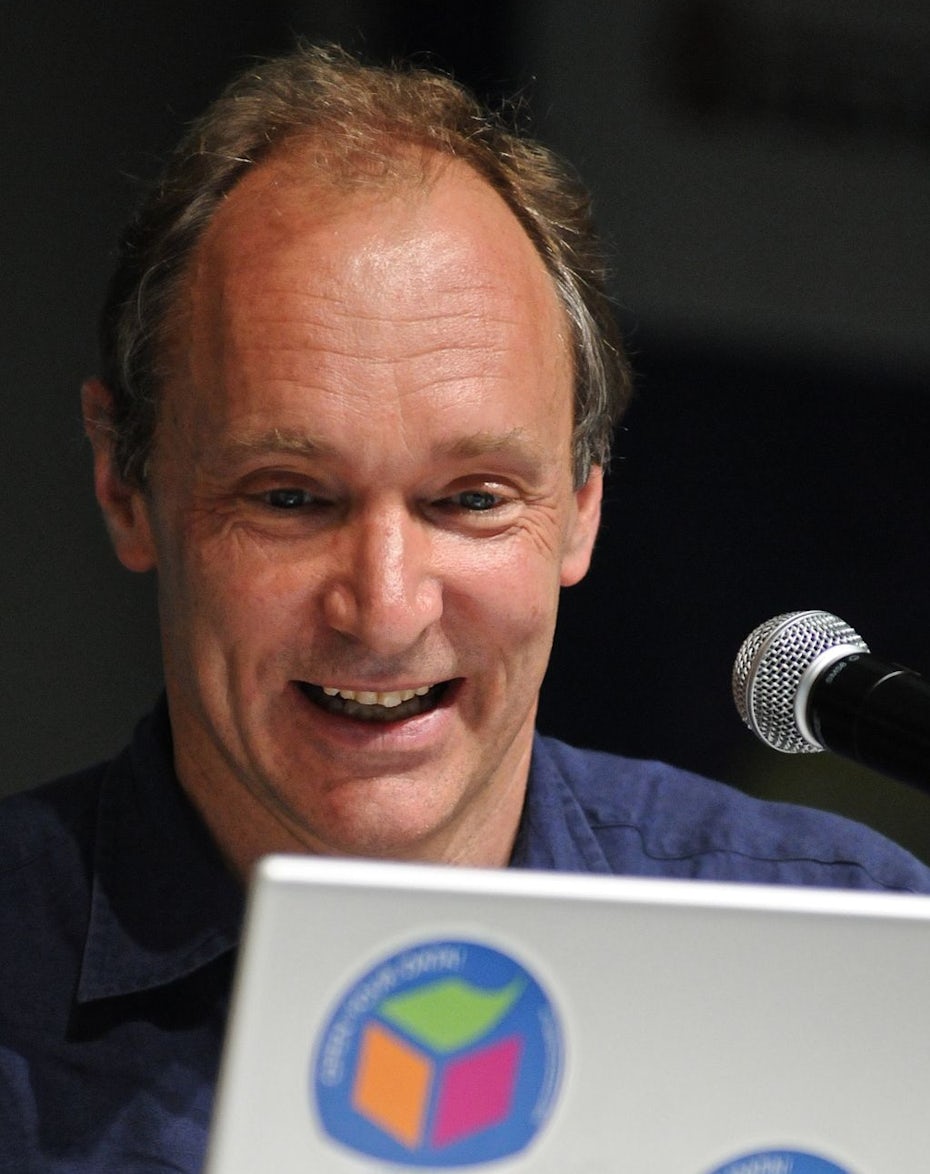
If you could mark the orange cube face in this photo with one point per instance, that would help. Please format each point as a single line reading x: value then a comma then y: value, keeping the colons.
x: 392, y: 1085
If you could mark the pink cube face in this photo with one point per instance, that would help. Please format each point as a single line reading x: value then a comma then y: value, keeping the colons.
x: 476, y: 1091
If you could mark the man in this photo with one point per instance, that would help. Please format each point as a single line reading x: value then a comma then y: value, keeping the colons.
x: 358, y: 385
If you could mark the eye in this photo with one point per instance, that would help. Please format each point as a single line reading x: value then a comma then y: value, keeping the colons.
x: 475, y: 500
x: 289, y: 499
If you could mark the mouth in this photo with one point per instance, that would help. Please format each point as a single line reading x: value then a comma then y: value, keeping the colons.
x: 376, y: 706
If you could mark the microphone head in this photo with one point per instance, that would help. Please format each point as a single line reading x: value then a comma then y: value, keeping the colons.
x: 775, y: 668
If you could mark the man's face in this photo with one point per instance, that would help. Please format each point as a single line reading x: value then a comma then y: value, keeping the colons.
x: 361, y: 512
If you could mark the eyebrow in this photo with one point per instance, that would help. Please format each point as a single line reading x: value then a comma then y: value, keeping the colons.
x: 277, y: 440
x: 479, y: 444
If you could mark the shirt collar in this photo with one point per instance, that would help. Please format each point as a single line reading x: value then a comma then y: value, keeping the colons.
x: 554, y: 832
x: 163, y: 902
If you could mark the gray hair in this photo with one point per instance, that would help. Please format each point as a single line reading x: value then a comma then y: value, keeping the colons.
x: 359, y: 119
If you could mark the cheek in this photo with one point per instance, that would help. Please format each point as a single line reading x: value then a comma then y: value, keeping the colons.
x: 227, y: 603
x: 511, y: 599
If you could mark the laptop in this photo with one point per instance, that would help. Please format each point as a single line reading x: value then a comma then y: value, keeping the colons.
x: 397, y: 1017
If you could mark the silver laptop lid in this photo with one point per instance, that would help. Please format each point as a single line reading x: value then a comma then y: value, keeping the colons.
x: 405, y: 1017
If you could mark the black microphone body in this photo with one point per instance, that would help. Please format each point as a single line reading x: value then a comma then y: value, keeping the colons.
x: 805, y: 681
x: 874, y: 713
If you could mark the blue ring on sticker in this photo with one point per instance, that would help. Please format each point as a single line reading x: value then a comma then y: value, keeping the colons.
x: 445, y: 1054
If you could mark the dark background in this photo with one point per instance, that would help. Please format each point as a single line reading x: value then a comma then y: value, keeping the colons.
x: 761, y: 170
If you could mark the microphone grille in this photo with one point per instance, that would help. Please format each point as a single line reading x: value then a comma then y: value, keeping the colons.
x: 771, y: 667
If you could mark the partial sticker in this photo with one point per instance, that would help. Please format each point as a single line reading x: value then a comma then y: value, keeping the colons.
x: 780, y: 1162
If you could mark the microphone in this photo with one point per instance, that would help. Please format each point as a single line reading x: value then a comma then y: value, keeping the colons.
x: 806, y: 681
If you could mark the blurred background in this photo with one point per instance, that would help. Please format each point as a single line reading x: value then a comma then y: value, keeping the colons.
x: 760, y: 170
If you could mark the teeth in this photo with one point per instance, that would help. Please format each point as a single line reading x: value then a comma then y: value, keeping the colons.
x: 366, y: 697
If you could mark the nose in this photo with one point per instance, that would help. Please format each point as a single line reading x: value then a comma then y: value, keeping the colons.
x: 383, y: 592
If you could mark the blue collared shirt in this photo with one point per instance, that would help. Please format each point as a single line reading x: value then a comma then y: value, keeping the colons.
x: 119, y: 922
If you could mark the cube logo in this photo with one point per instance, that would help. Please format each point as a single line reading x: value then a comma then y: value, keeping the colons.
x: 446, y: 1054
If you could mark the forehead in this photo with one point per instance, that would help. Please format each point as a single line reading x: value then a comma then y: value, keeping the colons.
x: 429, y: 221
x: 425, y: 283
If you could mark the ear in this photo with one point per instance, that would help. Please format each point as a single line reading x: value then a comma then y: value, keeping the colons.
x: 583, y: 527
x: 125, y: 508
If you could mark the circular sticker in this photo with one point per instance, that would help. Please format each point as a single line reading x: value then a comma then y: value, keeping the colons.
x: 780, y: 1162
x: 447, y: 1053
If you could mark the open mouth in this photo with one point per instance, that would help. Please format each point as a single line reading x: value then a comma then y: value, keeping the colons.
x: 389, y: 706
